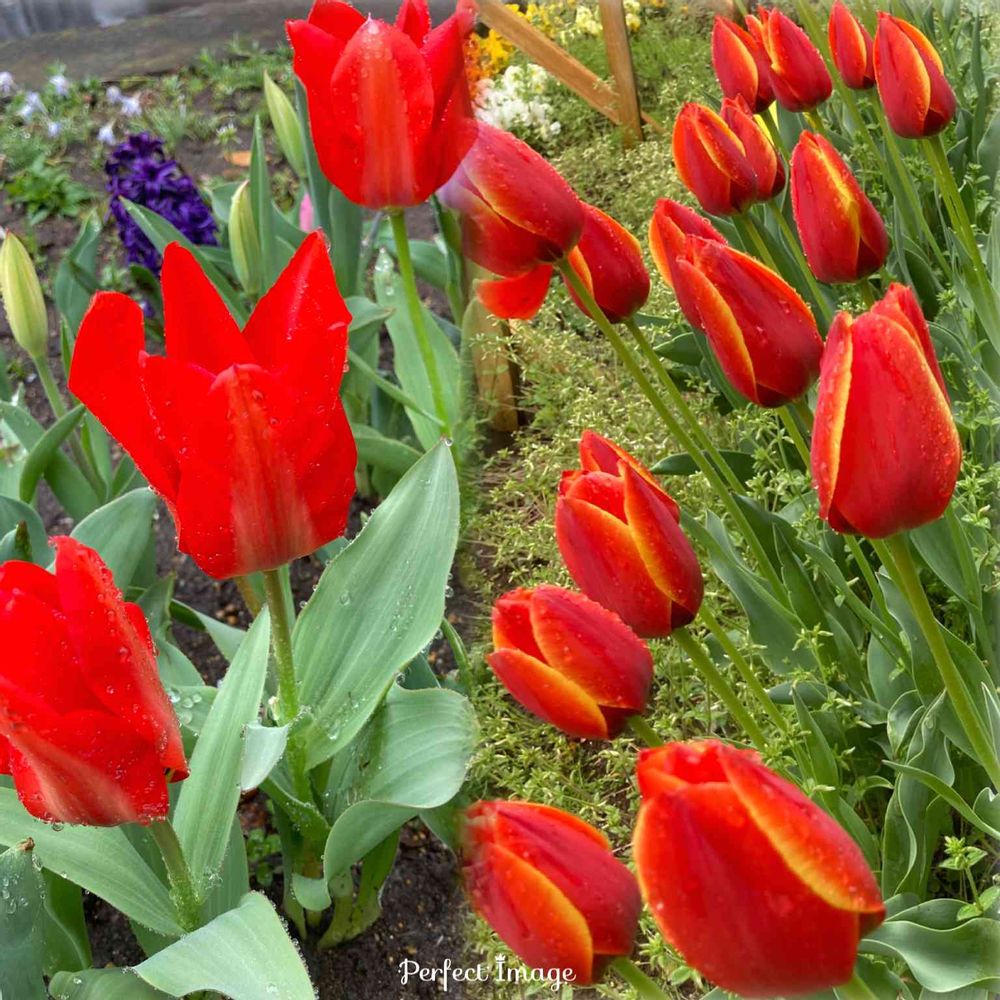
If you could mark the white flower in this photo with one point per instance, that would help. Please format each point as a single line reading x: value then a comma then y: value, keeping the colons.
x: 60, y: 84
x: 113, y: 94
x: 32, y: 103
x: 131, y: 107
x: 106, y: 134
x: 53, y: 129
x: 6, y: 83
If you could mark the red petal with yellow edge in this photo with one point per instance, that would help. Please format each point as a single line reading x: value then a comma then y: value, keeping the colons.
x: 900, y: 305
x: 726, y: 900
x: 851, y: 48
x: 766, y: 164
x: 941, y: 105
x: 600, y: 454
x: 663, y: 546
x: 604, y: 562
x: 740, y: 65
x: 813, y: 845
x: 598, y: 488
x: 900, y: 452
x: 798, y: 74
x: 904, y: 83
x: 516, y: 298
x: 533, y: 918
x: 593, y: 647
x: 675, y: 764
x: 512, y: 623
x: 548, y: 694
x: 670, y: 224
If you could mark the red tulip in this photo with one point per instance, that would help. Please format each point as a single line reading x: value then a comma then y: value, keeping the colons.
x: 885, y: 451
x: 620, y: 536
x: 798, y: 74
x: 549, y: 886
x: 241, y: 432
x: 741, y: 65
x: 86, y: 729
x: 756, y: 886
x: 671, y: 223
x: 842, y: 234
x: 762, y: 333
x: 851, y: 48
x: 916, y: 95
x: 569, y: 660
x: 389, y: 105
x: 766, y: 164
x: 712, y: 162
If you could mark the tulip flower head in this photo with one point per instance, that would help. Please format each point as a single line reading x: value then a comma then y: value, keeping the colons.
x: 671, y: 223
x: 619, y: 534
x: 741, y: 65
x: 798, y: 74
x: 86, y: 730
x: 851, y: 48
x: 842, y: 234
x: 916, y: 96
x: 755, y: 885
x: 549, y: 886
x: 389, y: 105
x: 569, y: 660
x: 242, y: 432
x: 885, y: 450
x: 762, y: 333
x: 766, y: 164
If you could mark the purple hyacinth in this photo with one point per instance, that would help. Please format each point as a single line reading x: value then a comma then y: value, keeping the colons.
x: 138, y: 169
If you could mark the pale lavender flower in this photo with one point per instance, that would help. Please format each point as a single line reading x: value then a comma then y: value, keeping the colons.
x: 113, y: 94
x: 60, y: 84
x: 131, y: 107
x: 106, y: 134
x: 7, y: 86
x: 53, y: 129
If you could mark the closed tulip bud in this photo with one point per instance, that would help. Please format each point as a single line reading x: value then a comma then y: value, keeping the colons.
x: 885, y: 451
x: 550, y: 887
x: 712, y: 162
x: 758, y: 327
x: 798, y: 74
x: 758, y: 888
x: 741, y: 65
x: 669, y: 227
x: 619, y: 534
x: 916, y: 96
x: 569, y: 660
x: 286, y: 125
x: 842, y: 234
x: 22, y: 297
x: 851, y: 48
x: 766, y: 164
x: 244, y: 246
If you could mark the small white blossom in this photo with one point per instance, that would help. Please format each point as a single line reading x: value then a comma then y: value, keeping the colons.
x: 131, y: 107
x: 60, y: 84
x: 113, y: 94
x: 32, y: 103
x: 53, y: 129
x: 6, y: 83
x: 516, y: 100
x: 106, y: 134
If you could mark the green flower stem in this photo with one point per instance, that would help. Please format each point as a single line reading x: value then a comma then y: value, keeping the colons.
x: 792, y: 241
x: 907, y: 579
x: 746, y: 672
x: 816, y: 123
x: 868, y: 293
x: 643, y: 730
x: 673, y: 425
x: 856, y: 989
x: 419, y: 320
x: 183, y: 890
x: 717, y: 681
x: 775, y: 133
x: 645, y: 988
x: 750, y: 234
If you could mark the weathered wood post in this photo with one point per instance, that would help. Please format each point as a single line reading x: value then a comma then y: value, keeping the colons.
x: 619, y: 50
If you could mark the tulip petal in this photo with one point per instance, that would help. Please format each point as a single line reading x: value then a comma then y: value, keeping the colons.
x: 336, y: 18
x: 414, y: 19
x: 831, y: 409
x: 673, y: 765
x: 904, y: 82
x: 516, y: 298
x: 512, y: 623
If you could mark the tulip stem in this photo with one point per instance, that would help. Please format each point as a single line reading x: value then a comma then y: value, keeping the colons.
x: 641, y: 728
x: 907, y: 578
x: 772, y: 127
x: 749, y: 233
x: 417, y: 316
x: 717, y: 681
x: 713, y: 475
x: 183, y: 890
x: 856, y: 989
x: 245, y: 586
x: 645, y: 988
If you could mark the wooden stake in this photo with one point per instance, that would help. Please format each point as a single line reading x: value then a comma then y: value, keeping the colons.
x: 619, y: 50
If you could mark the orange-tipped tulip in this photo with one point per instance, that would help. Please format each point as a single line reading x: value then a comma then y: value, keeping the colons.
x: 741, y: 65
x: 549, y: 886
x: 842, y: 234
x: 766, y: 164
x: 762, y: 333
x: 851, y: 48
x: 712, y: 162
x: 569, y: 660
x: 885, y: 451
x: 670, y: 225
x: 916, y: 95
x: 620, y: 536
x: 798, y: 74
x: 756, y: 886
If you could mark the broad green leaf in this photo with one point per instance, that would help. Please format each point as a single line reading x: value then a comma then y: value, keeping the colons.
x: 227, y: 638
x: 76, y: 278
x: 67, y: 944
x: 13, y: 513
x: 234, y: 881
x: 244, y: 954
x: 378, y: 603
x: 100, y: 859
x: 366, y: 316
x: 412, y: 756
x: 44, y: 450
x: 263, y: 213
x: 945, y: 547
x: 211, y: 793
x: 102, y: 984
x: 263, y: 747
x: 119, y: 531
x: 22, y: 925
x: 383, y: 452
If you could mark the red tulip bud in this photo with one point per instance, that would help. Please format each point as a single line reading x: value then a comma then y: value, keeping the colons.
x: 758, y: 888
x: 798, y: 74
x: 766, y: 164
x: 671, y: 223
x: 885, y: 451
x: 741, y: 65
x: 916, y: 95
x: 842, y: 234
x: 761, y: 331
x: 569, y: 660
x: 550, y: 887
x: 86, y: 730
x: 620, y: 536
x: 851, y: 48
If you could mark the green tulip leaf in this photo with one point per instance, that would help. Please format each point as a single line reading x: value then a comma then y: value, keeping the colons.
x: 119, y: 531
x: 22, y: 920
x: 14, y: 513
x: 102, y: 984
x: 44, y: 449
